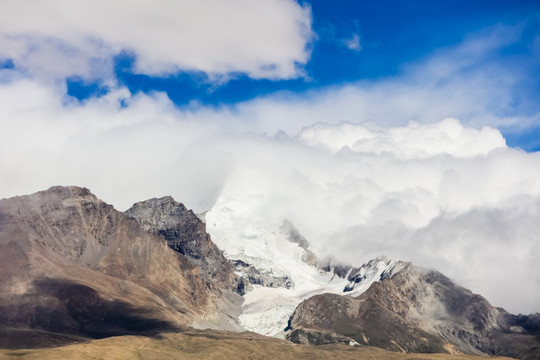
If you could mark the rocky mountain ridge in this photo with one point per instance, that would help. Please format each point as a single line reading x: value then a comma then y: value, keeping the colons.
x: 73, y: 267
x: 186, y: 234
x: 72, y: 264
x: 416, y: 310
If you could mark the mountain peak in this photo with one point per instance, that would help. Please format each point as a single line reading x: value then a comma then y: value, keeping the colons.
x: 69, y: 192
x: 186, y: 234
x: 72, y: 264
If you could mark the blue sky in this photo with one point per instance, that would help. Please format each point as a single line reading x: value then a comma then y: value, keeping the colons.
x: 378, y: 128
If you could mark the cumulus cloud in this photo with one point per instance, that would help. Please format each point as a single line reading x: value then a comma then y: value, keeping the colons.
x: 59, y: 38
x: 413, y: 140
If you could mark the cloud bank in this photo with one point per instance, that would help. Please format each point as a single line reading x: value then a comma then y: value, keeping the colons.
x: 443, y: 194
x: 470, y: 215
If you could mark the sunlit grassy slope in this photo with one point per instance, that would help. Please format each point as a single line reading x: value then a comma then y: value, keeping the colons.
x: 213, y: 345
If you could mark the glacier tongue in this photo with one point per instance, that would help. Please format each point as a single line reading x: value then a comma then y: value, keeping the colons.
x: 265, y: 244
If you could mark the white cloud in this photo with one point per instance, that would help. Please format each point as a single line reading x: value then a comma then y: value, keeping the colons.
x: 120, y: 153
x: 353, y: 43
x: 264, y: 39
x: 414, y: 140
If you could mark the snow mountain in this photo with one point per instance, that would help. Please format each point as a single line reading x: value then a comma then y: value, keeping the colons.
x: 74, y: 268
x: 281, y: 269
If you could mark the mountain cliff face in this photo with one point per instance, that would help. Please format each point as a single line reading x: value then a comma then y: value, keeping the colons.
x: 70, y: 263
x: 415, y: 310
x: 186, y: 234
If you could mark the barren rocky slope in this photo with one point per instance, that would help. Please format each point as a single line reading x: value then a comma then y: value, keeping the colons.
x: 417, y: 310
x: 72, y: 264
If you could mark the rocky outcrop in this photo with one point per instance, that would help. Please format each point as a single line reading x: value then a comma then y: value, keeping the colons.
x: 72, y: 264
x: 416, y: 310
x: 186, y: 234
x: 329, y: 264
x: 359, y: 275
x: 249, y: 275
x: 294, y: 236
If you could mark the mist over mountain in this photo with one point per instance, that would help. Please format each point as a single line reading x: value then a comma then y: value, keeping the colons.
x: 75, y: 269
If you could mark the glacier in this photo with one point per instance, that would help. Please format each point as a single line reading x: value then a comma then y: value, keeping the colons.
x: 264, y: 243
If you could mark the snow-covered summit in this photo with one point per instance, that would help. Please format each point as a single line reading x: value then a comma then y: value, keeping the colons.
x: 273, y: 247
x: 362, y: 277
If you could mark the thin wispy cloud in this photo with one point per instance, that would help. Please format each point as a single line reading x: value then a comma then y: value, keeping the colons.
x: 462, y: 82
x: 353, y: 43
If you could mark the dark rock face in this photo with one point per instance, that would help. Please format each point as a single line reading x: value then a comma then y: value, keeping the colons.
x: 183, y: 230
x: 250, y: 275
x: 416, y: 310
x: 72, y: 264
x: 358, y: 275
x: 309, y: 257
x: 301, y: 336
x: 186, y: 234
x: 330, y: 265
x: 296, y: 237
